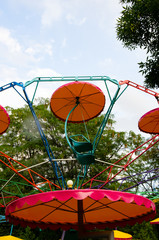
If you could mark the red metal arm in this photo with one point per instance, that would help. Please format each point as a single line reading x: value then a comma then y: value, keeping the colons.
x: 132, y: 84
x: 129, y: 158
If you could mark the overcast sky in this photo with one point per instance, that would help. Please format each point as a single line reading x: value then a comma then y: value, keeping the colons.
x: 69, y: 38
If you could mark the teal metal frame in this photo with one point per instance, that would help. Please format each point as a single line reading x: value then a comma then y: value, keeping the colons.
x: 75, y: 146
x: 83, y: 151
x: 38, y: 80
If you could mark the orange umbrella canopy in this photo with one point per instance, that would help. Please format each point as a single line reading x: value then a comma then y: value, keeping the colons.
x: 118, y: 235
x: 89, y: 208
x: 4, y: 120
x: 89, y: 99
x: 155, y: 221
x: 149, y: 122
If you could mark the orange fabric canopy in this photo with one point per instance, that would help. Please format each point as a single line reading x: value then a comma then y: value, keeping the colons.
x: 149, y: 122
x: 4, y: 120
x: 91, y: 208
x: 89, y: 97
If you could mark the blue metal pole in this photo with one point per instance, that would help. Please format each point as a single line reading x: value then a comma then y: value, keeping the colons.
x: 54, y: 164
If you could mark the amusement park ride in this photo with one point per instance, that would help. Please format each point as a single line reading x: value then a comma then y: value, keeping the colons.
x: 88, y: 204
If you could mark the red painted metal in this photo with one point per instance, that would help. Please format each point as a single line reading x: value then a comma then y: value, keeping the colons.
x: 128, y: 158
x: 146, y: 90
x: 18, y: 168
x: 6, y: 200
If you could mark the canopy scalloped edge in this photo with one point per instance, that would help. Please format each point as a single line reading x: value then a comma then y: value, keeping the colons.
x: 65, y: 195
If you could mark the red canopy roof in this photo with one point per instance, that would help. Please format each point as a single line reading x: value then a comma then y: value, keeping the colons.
x: 71, y: 208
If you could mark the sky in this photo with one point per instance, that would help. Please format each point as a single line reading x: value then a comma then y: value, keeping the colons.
x: 47, y: 38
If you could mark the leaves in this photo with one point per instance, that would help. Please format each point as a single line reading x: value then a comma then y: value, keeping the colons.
x: 22, y: 142
x: 138, y: 26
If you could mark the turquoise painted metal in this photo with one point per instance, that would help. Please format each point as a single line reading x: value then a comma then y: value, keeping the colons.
x: 84, y: 150
x: 91, y: 147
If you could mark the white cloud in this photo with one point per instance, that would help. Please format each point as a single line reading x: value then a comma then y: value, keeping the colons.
x: 38, y: 48
x: 106, y: 63
x: 7, y: 40
x: 42, y: 72
x: 108, y: 12
x: 30, y: 50
x: 21, y: 54
x: 12, y: 51
x: 8, y: 74
x: 52, y: 12
x: 65, y: 60
x: 82, y: 21
x: 64, y: 43
x: 71, y: 19
x: 1, y: 13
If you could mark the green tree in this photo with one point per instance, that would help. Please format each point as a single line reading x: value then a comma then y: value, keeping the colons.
x: 142, y: 231
x: 22, y: 142
x: 138, y: 26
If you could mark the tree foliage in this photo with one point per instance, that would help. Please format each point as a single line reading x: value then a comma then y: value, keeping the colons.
x: 23, y: 143
x: 142, y: 231
x: 138, y: 26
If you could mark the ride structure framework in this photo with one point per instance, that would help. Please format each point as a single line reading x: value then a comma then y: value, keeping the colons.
x: 112, y: 97
x: 21, y: 89
x: 83, y: 207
